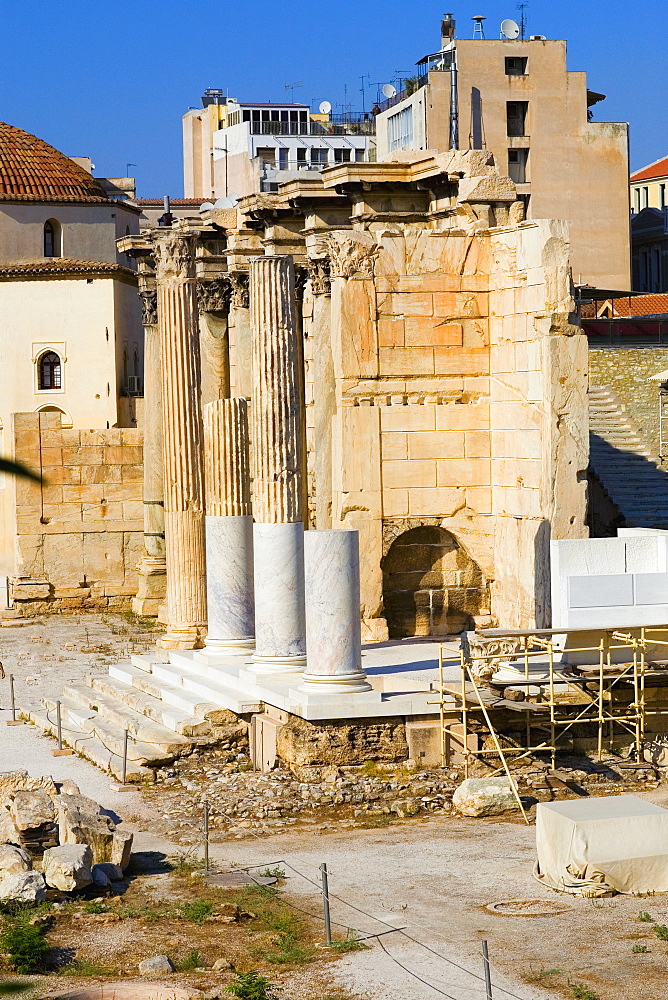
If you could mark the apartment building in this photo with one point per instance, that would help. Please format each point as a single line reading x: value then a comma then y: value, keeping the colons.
x: 517, y: 98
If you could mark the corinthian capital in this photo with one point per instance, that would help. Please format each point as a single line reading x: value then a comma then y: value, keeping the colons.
x: 175, y: 255
x: 240, y: 295
x: 149, y: 307
x: 352, y: 254
x: 214, y: 296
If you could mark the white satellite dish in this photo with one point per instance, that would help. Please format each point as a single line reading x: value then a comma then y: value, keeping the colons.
x: 234, y: 198
x: 389, y: 91
x: 325, y: 108
x: 206, y: 206
x: 225, y: 203
x: 510, y: 29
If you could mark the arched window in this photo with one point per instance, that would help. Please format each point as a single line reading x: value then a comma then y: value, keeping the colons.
x: 52, y: 242
x: 49, y: 372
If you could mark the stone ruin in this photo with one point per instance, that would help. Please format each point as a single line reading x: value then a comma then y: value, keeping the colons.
x: 54, y: 838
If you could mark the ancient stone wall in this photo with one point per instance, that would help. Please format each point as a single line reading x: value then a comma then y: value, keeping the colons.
x: 628, y: 371
x: 79, y: 535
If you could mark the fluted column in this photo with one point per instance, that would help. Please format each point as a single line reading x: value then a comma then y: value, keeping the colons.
x: 277, y: 467
x: 229, y: 529
x: 182, y: 442
x: 152, y: 568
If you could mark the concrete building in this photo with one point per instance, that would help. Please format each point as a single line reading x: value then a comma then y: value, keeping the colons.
x: 649, y: 242
x: 649, y: 186
x: 517, y: 99
x: 71, y: 347
x: 248, y: 148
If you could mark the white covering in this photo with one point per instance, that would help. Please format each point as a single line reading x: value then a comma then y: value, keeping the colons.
x: 593, y: 846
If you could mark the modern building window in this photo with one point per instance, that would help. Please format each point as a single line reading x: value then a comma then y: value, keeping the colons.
x: 283, y: 159
x: 516, y: 65
x: 662, y: 195
x: 516, y: 114
x: 517, y: 165
x: 636, y: 199
x: 400, y: 129
x: 301, y: 159
x: 341, y: 156
x: 49, y: 375
x: 359, y: 156
x: 645, y: 197
x: 52, y: 241
x: 318, y: 157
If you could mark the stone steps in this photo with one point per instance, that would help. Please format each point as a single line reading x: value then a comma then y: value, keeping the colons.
x: 135, y: 689
x: 206, y: 685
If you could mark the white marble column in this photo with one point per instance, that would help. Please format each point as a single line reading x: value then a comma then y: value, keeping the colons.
x: 182, y: 442
x: 333, y: 630
x: 229, y: 529
x: 277, y: 445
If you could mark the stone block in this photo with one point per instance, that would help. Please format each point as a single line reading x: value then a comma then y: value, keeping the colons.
x: 439, y: 502
x: 91, y: 474
x: 131, y: 436
x: 33, y: 813
x: 406, y: 361
x: 132, y: 472
x: 467, y: 416
x: 31, y: 590
x: 429, y: 331
x: 121, y: 849
x: 479, y: 499
x: 409, y: 417
x: 83, y: 456
x: 133, y: 510
x: 463, y: 362
x: 471, y: 472
x: 13, y: 860
x: 395, y: 503
x: 435, y: 444
x: 397, y: 475
x: 65, y: 552
x: 484, y: 797
x: 103, y: 557
x: 391, y: 331
x: 395, y: 447
x: 68, y: 867
x: 9, y: 833
x: 477, y: 444
x: 12, y: 782
x: 80, y: 821
x: 158, y: 965
x: 23, y: 887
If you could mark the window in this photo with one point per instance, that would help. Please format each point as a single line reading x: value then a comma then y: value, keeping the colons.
x: 283, y: 159
x: 52, y: 245
x: 636, y: 199
x: 645, y: 197
x: 49, y: 371
x: 517, y: 165
x: 516, y: 113
x: 516, y: 65
x: 359, y: 156
x: 400, y: 129
x: 318, y: 157
x: 341, y: 156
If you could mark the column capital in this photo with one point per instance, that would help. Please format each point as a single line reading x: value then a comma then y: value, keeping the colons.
x: 240, y: 290
x: 149, y: 307
x: 175, y: 255
x: 214, y: 296
x: 320, y: 275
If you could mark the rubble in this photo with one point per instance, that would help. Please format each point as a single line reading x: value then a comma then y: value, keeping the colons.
x: 484, y: 797
x: 23, y: 887
x: 68, y: 867
x: 158, y: 965
x: 34, y: 816
x: 13, y: 859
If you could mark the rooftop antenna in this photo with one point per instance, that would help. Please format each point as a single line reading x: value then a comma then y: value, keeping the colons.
x: 292, y: 87
x: 522, y: 7
x: 363, y: 77
x: 478, y: 27
x: 509, y: 29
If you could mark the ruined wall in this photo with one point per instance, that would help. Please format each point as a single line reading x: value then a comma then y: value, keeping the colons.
x: 78, y: 535
x: 628, y: 371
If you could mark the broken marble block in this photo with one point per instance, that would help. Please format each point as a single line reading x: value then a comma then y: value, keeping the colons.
x: 80, y: 821
x: 121, y: 849
x: 34, y: 817
x: 12, y: 782
x: 158, y: 964
x: 68, y: 867
x: 484, y: 797
x: 9, y: 833
x: 13, y: 859
x: 24, y: 887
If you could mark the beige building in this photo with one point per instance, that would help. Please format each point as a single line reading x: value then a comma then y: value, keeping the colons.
x: 649, y: 186
x: 71, y: 339
x: 518, y: 99
x: 232, y: 148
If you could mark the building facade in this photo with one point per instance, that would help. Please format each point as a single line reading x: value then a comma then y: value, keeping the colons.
x: 252, y: 148
x: 649, y: 186
x: 517, y: 99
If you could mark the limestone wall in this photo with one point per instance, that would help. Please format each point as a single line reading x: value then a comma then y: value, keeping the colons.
x: 628, y: 371
x: 78, y: 535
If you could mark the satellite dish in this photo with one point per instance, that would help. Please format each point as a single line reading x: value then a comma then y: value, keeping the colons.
x: 206, y: 206
x: 389, y: 91
x: 234, y: 198
x: 510, y: 29
x: 325, y: 108
x: 225, y: 203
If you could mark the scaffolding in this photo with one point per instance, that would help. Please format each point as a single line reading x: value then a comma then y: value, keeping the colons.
x: 609, y: 694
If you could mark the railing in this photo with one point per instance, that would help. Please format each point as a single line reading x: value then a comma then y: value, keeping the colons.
x: 344, y: 124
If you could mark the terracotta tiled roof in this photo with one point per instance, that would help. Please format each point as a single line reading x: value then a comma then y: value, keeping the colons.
x: 32, y: 170
x: 638, y: 305
x: 175, y: 202
x: 658, y: 169
x: 61, y: 265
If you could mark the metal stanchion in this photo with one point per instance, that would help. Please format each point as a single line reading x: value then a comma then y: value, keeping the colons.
x: 486, y: 970
x: 12, y: 704
x: 325, y: 903
x: 60, y: 752
x: 124, y: 787
x: 205, y: 803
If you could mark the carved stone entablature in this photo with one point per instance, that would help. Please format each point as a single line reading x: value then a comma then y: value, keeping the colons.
x: 214, y: 296
x: 149, y: 307
x: 319, y: 272
x: 485, y: 655
x: 395, y: 526
x: 175, y: 256
x: 240, y: 293
x: 352, y: 254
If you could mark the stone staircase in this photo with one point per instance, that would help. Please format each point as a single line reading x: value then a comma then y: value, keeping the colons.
x: 624, y: 465
x: 168, y: 708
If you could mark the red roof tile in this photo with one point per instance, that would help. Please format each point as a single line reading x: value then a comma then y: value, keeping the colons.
x: 32, y: 170
x: 658, y: 169
x: 61, y: 265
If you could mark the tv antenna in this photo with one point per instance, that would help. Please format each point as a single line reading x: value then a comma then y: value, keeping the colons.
x: 363, y: 77
x: 510, y: 29
x: 522, y: 7
x: 292, y: 87
x: 478, y: 27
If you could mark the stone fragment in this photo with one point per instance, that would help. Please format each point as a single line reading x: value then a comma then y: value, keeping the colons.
x: 15, y: 781
x: 34, y: 816
x: 13, y: 859
x: 68, y: 867
x: 158, y: 964
x: 80, y: 822
x: 69, y: 787
x: 221, y: 965
x: 24, y: 887
x: 100, y: 877
x: 9, y: 833
x: 113, y: 872
x: 484, y: 797
x: 405, y: 807
x: 121, y: 849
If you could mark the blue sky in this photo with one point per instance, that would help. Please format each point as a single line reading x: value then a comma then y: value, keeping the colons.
x: 111, y: 80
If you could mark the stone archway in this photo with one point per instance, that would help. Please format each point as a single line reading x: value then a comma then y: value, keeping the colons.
x: 431, y: 586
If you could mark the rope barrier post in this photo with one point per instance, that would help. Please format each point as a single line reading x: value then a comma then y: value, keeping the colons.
x: 205, y: 803
x: 61, y: 751
x: 325, y: 904
x: 12, y: 704
x: 486, y: 969
x: 124, y: 787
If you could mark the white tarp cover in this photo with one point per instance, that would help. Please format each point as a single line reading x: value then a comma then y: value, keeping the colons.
x: 594, y: 846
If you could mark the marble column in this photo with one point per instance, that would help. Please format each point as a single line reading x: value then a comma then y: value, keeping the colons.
x: 182, y: 441
x: 152, y: 568
x: 229, y: 529
x: 277, y: 446
x: 333, y: 630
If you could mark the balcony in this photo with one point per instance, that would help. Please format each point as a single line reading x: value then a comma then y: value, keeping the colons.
x: 352, y: 123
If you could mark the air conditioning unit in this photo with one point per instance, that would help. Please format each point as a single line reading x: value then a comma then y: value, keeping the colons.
x: 537, y: 38
x: 134, y: 385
